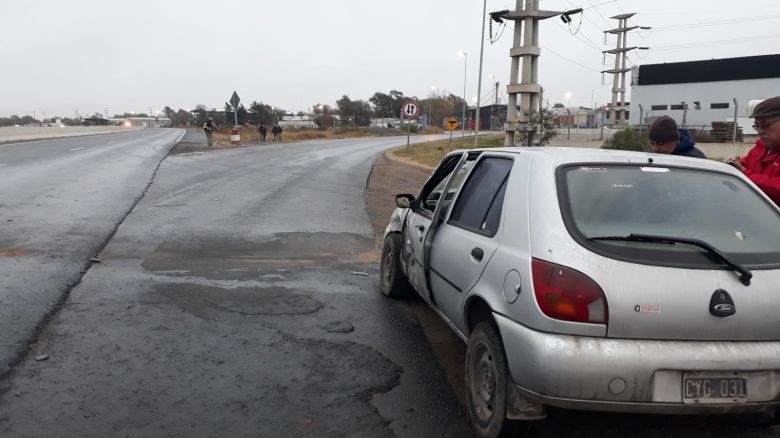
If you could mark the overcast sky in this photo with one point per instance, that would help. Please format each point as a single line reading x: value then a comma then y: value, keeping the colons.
x: 89, y: 55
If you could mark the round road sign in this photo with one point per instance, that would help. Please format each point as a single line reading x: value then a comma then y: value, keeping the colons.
x: 411, y: 109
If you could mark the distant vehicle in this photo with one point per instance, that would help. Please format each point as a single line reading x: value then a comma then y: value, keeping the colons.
x: 596, y: 280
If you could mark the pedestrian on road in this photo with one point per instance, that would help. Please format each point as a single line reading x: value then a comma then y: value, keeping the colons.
x: 762, y: 162
x: 666, y: 138
x: 208, y: 128
x: 280, y: 132
x: 276, y: 132
x: 263, y: 131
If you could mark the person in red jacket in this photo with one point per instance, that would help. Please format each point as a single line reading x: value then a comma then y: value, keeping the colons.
x: 762, y: 162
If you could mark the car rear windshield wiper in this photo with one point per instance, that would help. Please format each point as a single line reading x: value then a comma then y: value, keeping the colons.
x: 744, y: 274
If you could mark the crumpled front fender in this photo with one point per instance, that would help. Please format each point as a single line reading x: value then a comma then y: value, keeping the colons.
x: 396, y: 221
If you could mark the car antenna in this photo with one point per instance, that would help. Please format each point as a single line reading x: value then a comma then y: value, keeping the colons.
x: 650, y: 160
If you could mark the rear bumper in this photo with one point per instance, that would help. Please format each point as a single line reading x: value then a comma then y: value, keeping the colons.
x: 642, y: 376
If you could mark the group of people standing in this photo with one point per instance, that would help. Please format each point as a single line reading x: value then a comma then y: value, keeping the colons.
x: 276, y: 131
x: 761, y: 164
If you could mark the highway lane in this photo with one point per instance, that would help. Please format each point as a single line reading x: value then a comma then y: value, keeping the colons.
x: 239, y: 298
x: 60, y: 201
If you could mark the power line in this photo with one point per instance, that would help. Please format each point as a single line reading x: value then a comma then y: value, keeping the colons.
x: 579, y: 35
x: 585, y: 17
x: 715, y: 43
x: 573, y: 62
x: 714, y: 23
x: 597, y: 11
x: 600, y: 4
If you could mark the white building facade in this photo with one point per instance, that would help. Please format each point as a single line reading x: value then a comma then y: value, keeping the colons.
x: 702, y: 92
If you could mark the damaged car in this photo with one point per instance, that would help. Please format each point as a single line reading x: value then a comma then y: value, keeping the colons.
x: 596, y: 280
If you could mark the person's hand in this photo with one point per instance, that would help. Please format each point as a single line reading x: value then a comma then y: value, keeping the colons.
x: 734, y: 161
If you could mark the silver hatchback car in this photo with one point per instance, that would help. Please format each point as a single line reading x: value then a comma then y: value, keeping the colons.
x: 596, y: 280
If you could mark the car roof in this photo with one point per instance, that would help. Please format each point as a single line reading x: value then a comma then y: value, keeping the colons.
x: 570, y: 155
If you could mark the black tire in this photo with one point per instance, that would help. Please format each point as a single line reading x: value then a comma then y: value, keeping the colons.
x: 392, y: 281
x: 487, y: 383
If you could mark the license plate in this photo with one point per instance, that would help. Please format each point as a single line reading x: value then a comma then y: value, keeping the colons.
x: 713, y: 389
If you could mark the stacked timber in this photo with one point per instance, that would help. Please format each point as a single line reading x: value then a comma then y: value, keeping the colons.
x: 723, y: 132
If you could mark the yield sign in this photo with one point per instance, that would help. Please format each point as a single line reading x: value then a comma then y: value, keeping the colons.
x: 410, y: 109
x: 234, y: 99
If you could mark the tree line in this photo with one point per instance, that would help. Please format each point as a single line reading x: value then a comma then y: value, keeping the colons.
x: 436, y: 107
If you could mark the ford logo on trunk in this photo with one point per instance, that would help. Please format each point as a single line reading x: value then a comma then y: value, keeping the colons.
x: 721, y: 304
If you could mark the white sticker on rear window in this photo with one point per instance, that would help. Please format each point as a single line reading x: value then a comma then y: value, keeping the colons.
x: 593, y: 169
x: 655, y: 169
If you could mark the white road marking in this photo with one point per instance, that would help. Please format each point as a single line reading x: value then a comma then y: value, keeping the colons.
x: 75, y: 149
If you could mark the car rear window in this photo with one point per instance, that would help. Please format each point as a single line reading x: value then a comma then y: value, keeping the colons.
x: 717, y: 208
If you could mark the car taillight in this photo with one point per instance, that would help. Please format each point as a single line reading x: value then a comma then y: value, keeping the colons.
x: 563, y: 293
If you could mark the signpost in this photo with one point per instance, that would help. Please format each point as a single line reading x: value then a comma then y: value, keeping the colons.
x: 234, y: 100
x: 410, y: 110
x: 235, y: 135
x: 452, y: 125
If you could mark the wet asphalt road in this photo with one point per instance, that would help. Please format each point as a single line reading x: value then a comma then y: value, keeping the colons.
x: 60, y: 201
x: 238, y: 298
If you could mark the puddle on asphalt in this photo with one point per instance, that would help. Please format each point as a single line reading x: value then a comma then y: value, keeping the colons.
x: 221, y: 258
x: 240, y: 304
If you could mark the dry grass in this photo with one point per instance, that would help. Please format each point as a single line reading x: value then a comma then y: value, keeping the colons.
x: 250, y: 135
x: 428, y: 154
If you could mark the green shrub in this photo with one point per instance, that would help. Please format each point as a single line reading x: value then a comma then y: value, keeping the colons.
x: 628, y: 140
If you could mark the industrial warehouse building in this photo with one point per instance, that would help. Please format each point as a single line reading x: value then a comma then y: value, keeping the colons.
x: 702, y: 92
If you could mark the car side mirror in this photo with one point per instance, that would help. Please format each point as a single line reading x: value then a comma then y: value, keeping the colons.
x: 404, y: 200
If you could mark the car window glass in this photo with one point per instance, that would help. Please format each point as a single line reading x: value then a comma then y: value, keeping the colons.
x: 717, y: 208
x: 490, y: 225
x: 479, y: 205
x: 430, y: 201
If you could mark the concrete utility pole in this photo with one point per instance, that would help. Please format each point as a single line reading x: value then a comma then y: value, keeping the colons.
x: 617, y: 109
x: 526, y: 46
x: 463, y: 117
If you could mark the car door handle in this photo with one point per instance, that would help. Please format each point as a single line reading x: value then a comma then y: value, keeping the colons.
x: 477, y: 253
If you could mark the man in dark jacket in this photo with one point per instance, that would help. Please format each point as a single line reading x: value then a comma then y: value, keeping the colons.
x: 666, y: 138
x: 208, y: 128
x: 762, y: 162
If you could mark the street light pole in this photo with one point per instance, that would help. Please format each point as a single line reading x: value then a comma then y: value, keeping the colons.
x: 479, y: 76
x: 430, y: 98
x: 463, y: 117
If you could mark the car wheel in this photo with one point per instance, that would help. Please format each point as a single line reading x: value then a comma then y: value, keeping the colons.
x: 486, y: 382
x: 393, y: 283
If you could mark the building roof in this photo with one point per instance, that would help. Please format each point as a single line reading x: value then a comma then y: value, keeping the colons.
x: 713, y: 70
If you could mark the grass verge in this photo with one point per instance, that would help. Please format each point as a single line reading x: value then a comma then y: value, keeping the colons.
x: 429, y: 153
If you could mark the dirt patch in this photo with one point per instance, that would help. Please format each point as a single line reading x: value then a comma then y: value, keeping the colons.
x: 221, y: 258
x: 15, y: 252
x: 388, y: 178
x: 240, y: 304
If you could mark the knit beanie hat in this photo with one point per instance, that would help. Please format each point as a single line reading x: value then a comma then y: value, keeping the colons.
x: 664, y: 130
